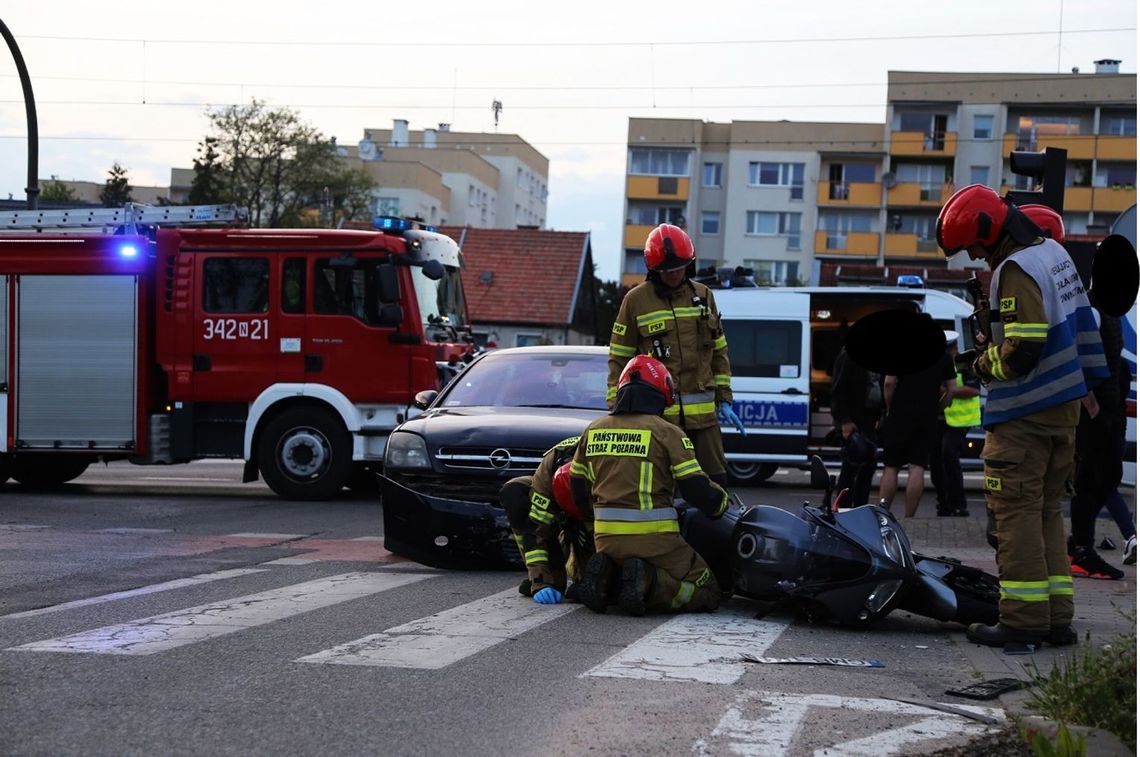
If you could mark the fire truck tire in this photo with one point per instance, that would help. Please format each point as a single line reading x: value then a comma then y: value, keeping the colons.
x: 47, y: 472
x: 305, y: 453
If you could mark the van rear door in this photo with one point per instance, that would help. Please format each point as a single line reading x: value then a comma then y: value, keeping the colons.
x: 768, y: 347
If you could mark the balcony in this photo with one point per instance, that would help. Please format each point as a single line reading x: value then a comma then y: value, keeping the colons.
x: 942, y: 144
x: 1115, y: 148
x: 860, y: 243
x: 657, y: 188
x: 1111, y: 199
x: 1078, y: 146
x: 856, y: 194
x: 900, y: 245
x: 634, y: 237
x: 918, y: 195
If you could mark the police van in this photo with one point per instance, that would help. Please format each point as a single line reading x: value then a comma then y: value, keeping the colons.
x: 782, y: 345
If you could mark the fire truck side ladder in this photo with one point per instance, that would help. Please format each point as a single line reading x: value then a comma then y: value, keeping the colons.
x: 127, y: 218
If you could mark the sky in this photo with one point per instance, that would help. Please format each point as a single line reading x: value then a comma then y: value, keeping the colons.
x: 132, y: 82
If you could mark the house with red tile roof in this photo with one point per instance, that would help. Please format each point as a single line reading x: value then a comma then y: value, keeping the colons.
x: 528, y: 286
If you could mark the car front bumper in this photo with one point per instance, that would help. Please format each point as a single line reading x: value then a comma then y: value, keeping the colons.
x: 446, y: 533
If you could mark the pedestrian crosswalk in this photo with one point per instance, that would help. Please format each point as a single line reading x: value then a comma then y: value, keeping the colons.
x: 701, y: 648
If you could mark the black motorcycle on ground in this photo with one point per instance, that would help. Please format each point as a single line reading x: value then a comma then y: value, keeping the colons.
x: 851, y: 567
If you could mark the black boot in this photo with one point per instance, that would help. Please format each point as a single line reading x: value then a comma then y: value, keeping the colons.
x: 1013, y: 640
x: 524, y: 587
x: 1061, y: 636
x: 594, y: 587
x: 637, y: 579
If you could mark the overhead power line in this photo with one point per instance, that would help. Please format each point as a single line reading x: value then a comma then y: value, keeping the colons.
x: 427, y: 41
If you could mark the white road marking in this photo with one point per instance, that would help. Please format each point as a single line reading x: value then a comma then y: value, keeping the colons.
x: 695, y: 647
x: 289, y: 561
x: 368, y: 538
x: 187, y: 478
x: 282, y: 537
x: 127, y: 530
x: 775, y: 732
x: 174, y: 629
x: 447, y: 637
x: 201, y: 578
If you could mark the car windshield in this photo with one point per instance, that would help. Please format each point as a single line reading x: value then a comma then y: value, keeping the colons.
x: 542, y: 379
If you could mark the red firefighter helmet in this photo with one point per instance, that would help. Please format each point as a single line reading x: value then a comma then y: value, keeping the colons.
x: 973, y: 215
x: 1046, y: 219
x: 650, y: 371
x: 562, y: 494
x: 668, y: 247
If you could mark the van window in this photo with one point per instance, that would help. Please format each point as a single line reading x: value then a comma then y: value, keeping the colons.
x: 764, y: 349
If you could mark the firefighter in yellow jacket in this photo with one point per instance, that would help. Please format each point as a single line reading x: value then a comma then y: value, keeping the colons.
x: 1043, y: 355
x: 625, y: 469
x: 674, y: 319
x: 553, y: 537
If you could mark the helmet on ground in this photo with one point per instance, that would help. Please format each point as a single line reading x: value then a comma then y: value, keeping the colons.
x: 973, y: 215
x: 562, y: 493
x: 858, y: 449
x: 668, y: 247
x: 651, y: 372
x: 1046, y: 219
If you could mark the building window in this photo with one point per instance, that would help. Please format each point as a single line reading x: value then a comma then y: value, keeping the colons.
x: 774, y: 272
x: 767, y: 224
x: 387, y: 206
x: 529, y: 340
x: 710, y: 177
x: 983, y: 126
x: 646, y: 162
x: 652, y: 215
x: 761, y: 174
x: 710, y: 222
x: 980, y: 175
x: 1119, y: 126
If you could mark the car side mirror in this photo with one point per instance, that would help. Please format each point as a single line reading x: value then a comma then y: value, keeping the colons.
x: 425, y: 398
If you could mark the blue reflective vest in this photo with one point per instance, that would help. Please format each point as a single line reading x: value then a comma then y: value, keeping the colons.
x: 1073, y: 357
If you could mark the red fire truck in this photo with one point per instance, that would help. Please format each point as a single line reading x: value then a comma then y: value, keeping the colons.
x: 145, y: 334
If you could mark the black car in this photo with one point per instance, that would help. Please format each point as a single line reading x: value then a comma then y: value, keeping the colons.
x: 494, y: 421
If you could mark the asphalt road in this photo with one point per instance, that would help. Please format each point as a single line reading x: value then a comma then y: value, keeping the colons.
x: 174, y: 611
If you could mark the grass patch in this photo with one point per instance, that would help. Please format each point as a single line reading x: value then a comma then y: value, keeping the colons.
x: 1092, y: 687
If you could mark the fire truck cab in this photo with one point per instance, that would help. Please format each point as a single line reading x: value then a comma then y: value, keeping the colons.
x: 296, y: 350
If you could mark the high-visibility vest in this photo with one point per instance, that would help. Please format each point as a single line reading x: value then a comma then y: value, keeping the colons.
x: 963, y: 412
x: 1072, y: 356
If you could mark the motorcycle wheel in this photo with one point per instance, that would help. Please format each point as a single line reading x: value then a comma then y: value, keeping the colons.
x: 977, y: 594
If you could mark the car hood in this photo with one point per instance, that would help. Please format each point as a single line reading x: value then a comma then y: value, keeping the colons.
x: 498, y: 426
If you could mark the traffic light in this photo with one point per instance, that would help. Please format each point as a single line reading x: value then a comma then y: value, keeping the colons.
x: 1047, y: 169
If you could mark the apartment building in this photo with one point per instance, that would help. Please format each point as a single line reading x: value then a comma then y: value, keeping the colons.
x: 783, y: 197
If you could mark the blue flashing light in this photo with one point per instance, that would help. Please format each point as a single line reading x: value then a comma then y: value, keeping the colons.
x: 397, y: 224
x: 128, y: 251
x: 910, y: 280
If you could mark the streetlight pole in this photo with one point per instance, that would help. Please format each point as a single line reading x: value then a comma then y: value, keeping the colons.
x: 33, y: 188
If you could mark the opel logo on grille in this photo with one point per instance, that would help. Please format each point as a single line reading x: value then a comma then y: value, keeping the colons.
x: 500, y: 458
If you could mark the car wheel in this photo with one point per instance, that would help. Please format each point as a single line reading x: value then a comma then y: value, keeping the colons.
x: 305, y: 453
x: 750, y: 474
x: 46, y: 472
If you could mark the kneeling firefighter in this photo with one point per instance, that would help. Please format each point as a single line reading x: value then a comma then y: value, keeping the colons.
x: 628, y: 465
x: 553, y: 537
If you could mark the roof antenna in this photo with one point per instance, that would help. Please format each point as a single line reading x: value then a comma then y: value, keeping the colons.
x: 496, y: 108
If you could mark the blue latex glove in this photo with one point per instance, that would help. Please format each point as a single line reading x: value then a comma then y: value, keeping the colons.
x: 731, y: 416
x: 548, y: 596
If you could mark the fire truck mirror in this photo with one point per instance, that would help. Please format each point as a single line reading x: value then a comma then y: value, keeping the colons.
x: 391, y: 315
x: 387, y: 283
x: 433, y: 269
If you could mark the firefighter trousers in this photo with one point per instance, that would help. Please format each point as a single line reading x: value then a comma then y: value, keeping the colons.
x: 1027, y: 467
x: 684, y: 582
x: 545, y: 563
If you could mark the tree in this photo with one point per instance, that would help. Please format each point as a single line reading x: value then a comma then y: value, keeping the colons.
x: 278, y: 167
x: 117, y: 191
x: 610, y: 295
x: 207, y: 187
x: 56, y: 191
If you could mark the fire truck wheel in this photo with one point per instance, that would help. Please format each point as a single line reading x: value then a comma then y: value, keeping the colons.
x: 47, y: 472
x: 305, y: 453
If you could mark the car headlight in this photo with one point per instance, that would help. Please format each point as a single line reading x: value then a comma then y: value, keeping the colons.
x: 406, y: 451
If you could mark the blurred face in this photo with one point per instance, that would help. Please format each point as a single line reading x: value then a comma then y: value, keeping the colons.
x: 673, y: 278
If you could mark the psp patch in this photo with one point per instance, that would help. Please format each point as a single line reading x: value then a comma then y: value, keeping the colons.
x: 1007, y: 305
x: 992, y: 484
x: 619, y: 329
x: 688, y: 444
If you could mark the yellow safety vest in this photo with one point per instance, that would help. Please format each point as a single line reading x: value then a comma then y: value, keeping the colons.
x: 963, y: 412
